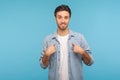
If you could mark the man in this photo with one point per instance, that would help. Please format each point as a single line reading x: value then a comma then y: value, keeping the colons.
x: 64, y: 50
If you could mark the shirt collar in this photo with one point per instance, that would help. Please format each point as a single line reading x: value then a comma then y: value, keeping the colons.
x: 71, y: 34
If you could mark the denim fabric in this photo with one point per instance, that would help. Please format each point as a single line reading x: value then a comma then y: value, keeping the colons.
x: 74, y: 60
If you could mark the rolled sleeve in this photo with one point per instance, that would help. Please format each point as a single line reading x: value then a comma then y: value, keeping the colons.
x: 87, y: 49
x: 44, y: 47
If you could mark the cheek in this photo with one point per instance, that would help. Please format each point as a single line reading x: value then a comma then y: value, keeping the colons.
x: 58, y: 21
x: 67, y: 20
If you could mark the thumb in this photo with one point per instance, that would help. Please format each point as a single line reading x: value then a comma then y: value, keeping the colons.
x: 73, y: 44
x: 53, y: 44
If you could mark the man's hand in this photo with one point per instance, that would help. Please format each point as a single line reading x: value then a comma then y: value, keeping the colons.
x: 77, y: 49
x: 80, y: 50
x: 50, y: 50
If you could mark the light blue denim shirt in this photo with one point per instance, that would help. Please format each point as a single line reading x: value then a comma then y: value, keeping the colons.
x: 74, y: 60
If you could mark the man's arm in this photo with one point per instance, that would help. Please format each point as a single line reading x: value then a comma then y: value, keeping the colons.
x: 86, y: 57
x: 49, y: 51
x: 45, y: 60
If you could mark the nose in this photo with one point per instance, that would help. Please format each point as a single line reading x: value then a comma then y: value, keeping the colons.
x: 62, y: 20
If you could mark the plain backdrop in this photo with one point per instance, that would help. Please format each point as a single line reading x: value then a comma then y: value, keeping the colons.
x: 25, y: 23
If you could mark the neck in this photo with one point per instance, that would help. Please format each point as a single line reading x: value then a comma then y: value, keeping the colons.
x: 62, y: 32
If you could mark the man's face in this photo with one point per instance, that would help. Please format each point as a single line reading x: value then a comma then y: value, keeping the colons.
x: 62, y: 19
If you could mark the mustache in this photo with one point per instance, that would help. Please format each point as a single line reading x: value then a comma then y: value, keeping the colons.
x: 62, y: 23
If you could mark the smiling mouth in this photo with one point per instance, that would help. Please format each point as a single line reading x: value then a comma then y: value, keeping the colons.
x: 63, y: 24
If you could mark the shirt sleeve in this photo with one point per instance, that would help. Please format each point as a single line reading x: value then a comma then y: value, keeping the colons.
x: 44, y: 47
x: 42, y: 65
x: 86, y: 47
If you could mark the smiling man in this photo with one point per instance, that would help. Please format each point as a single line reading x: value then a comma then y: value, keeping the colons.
x: 64, y: 50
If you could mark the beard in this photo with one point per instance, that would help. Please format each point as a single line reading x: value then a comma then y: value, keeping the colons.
x: 63, y: 26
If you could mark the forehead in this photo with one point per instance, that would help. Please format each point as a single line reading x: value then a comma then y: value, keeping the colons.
x: 62, y: 13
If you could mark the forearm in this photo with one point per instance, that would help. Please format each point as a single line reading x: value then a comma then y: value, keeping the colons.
x: 45, y: 60
x: 86, y: 57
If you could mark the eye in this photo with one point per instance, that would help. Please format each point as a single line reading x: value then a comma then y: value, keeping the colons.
x: 59, y: 17
x: 66, y: 17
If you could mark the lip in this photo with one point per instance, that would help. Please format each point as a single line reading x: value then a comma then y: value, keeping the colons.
x: 63, y: 24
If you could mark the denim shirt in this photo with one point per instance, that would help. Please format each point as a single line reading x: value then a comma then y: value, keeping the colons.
x: 75, y: 70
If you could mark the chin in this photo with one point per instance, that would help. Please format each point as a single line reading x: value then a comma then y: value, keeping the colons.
x: 62, y: 27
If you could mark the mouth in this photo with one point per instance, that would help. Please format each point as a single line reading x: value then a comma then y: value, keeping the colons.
x: 62, y: 24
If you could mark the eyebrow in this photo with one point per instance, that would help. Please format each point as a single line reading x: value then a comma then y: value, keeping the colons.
x: 64, y: 16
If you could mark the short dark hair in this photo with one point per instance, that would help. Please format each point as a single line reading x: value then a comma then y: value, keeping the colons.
x: 62, y: 8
